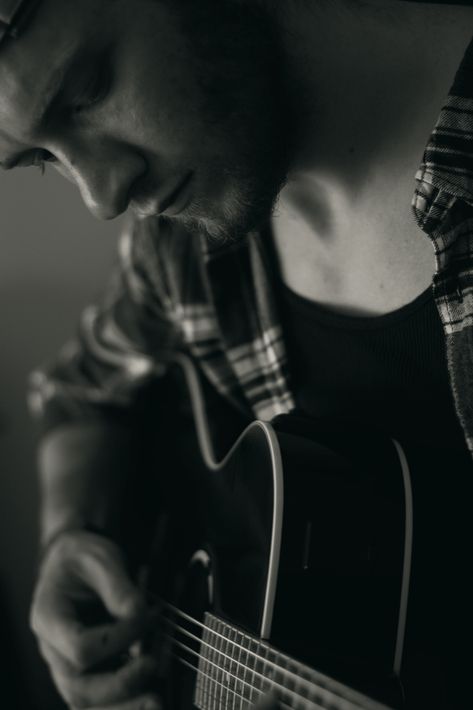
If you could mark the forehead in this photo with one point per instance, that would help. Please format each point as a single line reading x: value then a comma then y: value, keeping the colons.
x: 32, y: 64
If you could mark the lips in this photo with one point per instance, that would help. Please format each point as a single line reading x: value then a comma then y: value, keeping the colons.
x: 173, y: 203
x: 173, y: 198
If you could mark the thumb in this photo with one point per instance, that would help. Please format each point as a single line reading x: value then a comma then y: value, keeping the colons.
x: 103, y: 570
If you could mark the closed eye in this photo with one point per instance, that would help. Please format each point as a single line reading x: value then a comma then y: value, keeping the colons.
x: 36, y: 159
x: 93, y: 91
x: 41, y: 157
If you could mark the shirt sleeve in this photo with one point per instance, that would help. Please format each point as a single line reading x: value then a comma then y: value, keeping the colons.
x: 115, y: 352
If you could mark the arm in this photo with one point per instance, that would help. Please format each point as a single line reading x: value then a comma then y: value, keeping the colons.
x: 83, y: 471
x: 90, y: 401
x: 86, y: 459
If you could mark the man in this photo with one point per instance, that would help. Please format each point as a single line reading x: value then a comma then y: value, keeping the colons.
x: 198, y: 116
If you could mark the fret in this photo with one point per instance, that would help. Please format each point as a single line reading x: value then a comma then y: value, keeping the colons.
x: 318, y: 692
x: 315, y: 690
x: 244, y: 672
x: 225, y: 664
x: 295, y: 685
x: 234, y: 668
x: 239, y: 699
x: 214, y: 688
x: 288, y: 681
x: 305, y: 688
x: 265, y: 669
x: 203, y: 679
x: 262, y: 684
x: 218, y: 642
x: 201, y: 685
x: 198, y: 691
x: 277, y: 676
x: 254, y: 679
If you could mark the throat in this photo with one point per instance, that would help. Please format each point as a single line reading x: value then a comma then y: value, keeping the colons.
x: 367, y: 258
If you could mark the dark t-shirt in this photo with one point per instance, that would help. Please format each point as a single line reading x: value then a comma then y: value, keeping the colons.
x: 389, y: 373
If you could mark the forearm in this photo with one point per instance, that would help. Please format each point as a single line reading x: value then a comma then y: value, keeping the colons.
x: 84, y: 470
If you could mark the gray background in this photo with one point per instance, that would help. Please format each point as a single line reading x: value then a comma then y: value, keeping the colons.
x: 54, y: 259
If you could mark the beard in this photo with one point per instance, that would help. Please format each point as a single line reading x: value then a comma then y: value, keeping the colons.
x: 246, y: 114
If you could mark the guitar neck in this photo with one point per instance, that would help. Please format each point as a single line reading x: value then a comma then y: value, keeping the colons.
x: 235, y: 670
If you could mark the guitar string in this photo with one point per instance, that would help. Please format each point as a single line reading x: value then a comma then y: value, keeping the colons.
x: 195, y: 669
x: 207, y: 690
x: 322, y: 691
x: 337, y: 693
x: 274, y: 683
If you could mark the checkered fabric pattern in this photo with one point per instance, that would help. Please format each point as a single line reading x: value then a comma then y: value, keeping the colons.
x: 174, y: 292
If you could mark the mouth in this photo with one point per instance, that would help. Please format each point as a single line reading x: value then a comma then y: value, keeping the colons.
x: 171, y: 205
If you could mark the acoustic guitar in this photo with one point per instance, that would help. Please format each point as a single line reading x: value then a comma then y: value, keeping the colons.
x: 295, y: 577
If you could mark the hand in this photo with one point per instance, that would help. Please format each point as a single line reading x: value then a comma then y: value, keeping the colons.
x: 83, y: 573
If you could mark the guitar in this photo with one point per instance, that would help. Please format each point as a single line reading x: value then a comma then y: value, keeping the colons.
x: 301, y: 561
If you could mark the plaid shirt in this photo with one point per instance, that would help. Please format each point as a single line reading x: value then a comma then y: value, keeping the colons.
x: 174, y: 292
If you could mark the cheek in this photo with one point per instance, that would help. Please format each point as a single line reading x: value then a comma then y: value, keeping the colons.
x: 160, y: 99
x: 168, y: 112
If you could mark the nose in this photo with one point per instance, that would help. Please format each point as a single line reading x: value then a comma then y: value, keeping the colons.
x: 105, y: 176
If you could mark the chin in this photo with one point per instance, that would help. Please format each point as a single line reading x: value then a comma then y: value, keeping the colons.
x: 217, y: 225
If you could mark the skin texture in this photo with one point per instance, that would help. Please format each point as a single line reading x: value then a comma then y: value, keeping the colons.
x: 80, y: 568
x: 152, y: 93
x: 161, y: 90
x: 171, y: 97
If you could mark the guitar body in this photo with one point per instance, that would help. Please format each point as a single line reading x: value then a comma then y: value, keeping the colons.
x: 297, y: 538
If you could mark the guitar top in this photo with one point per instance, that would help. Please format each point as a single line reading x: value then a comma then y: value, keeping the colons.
x: 289, y: 565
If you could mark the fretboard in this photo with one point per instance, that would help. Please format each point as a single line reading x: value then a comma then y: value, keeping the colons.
x: 235, y: 670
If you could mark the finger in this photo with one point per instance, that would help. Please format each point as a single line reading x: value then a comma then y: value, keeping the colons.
x: 58, y: 664
x: 103, y: 570
x: 87, y: 647
x: 144, y: 702
x: 82, y: 646
x: 95, y: 565
x: 89, y: 689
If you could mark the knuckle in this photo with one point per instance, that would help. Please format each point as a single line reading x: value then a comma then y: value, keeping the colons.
x: 101, y: 547
x: 77, y: 698
x: 34, y: 620
x: 63, y: 686
x: 80, y: 656
x: 130, y: 680
x: 45, y: 653
x: 39, y: 621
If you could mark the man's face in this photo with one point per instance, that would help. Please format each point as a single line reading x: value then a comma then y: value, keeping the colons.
x: 171, y: 107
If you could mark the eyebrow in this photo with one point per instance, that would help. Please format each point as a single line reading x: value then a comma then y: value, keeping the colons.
x: 50, y: 97
x: 56, y: 86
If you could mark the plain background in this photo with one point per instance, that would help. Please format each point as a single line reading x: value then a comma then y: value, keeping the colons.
x: 54, y: 259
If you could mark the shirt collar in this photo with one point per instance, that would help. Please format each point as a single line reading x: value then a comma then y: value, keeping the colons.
x: 446, y: 172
